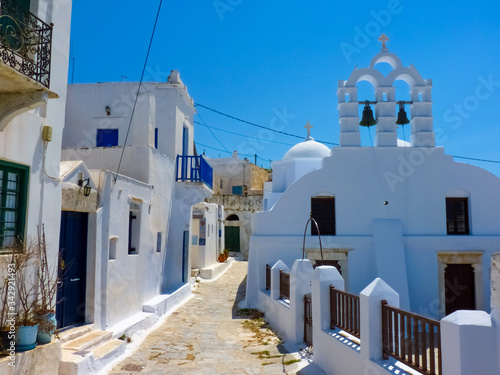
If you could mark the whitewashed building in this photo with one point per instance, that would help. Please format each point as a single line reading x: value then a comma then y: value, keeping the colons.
x: 207, y: 238
x: 132, y: 231
x: 33, y: 82
x: 404, y: 212
x: 238, y: 186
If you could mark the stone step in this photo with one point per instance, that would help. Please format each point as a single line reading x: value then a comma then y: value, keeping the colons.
x: 87, y: 341
x: 87, y: 362
x: 109, y: 350
x: 73, y: 333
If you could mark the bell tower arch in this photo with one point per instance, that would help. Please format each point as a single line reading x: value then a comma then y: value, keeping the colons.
x: 422, y: 132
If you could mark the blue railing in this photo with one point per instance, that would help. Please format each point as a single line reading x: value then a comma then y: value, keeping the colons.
x: 194, y: 169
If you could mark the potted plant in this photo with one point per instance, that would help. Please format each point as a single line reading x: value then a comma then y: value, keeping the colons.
x: 26, y: 326
x: 223, y: 256
x: 48, y: 281
x: 7, y: 272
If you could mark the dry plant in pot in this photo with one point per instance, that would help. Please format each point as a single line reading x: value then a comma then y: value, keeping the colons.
x: 8, y: 271
x: 26, y: 288
x: 48, y: 282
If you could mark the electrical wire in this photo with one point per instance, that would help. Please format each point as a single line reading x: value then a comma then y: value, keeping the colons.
x: 138, y: 90
x: 208, y: 127
x: 257, y: 125
x: 485, y: 160
x: 244, y: 135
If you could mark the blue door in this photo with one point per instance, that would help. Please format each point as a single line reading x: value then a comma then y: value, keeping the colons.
x: 70, y: 309
x: 185, y: 256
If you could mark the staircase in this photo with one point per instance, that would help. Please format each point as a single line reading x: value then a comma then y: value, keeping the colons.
x: 86, y: 351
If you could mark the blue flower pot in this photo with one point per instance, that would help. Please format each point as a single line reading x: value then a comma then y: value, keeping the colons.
x: 26, y: 337
x: 44, y: 335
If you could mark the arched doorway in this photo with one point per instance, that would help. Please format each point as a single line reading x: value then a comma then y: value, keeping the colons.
x: 232, y: 233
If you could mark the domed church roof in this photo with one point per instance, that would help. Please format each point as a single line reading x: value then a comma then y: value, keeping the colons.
x: 309, y: 149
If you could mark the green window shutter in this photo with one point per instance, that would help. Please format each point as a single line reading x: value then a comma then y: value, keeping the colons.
x: 14, y: 180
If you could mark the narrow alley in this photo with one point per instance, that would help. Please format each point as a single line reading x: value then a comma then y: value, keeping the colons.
x: 210, y: 335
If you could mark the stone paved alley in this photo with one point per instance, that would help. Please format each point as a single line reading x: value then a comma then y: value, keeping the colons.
x: 210, y: 335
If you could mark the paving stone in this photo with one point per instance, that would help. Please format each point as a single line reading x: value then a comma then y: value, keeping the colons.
x: 206, y: 337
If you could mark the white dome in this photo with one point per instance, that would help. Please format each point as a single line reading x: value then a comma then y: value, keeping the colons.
x: 402, y: 143
x: 308, y: 149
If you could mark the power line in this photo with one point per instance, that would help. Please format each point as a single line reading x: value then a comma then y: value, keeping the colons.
x: 208, y: 127
x: 257, y: 125
x: 138, y: 89
x: 244, y: 135
x: 485, y: 160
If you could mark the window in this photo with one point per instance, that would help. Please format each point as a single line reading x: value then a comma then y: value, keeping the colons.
x: 107, y: 137
x: 457, y: 216
x: 158, y: 242
x: 156, y: 138
x: 323, y: 211
x: 13, y: 198
x: 134, y: 228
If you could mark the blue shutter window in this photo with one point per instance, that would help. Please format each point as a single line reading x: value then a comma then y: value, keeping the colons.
x: 156, y: 138
x: 107, y: 137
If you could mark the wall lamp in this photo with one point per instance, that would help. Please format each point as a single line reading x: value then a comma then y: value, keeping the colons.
x: 85, y: 184
x: 108, y: 110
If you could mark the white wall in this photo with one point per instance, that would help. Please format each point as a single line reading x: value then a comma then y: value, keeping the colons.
x: 21, y: 142
x: 361, y: 179
x: 203, y: 256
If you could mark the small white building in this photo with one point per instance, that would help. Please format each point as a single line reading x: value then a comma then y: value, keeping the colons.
x: 407, y: 213
x: 145, y: 177
x: 238, y: 186
x: 207, y: 235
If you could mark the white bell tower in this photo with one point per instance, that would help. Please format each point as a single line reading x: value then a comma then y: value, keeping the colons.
x: 422, y: 132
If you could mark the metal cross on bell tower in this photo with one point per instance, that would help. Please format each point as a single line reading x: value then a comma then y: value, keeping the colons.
x: 383, y: 39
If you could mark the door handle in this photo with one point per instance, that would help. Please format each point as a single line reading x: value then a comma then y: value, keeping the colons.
x: 76, y: 279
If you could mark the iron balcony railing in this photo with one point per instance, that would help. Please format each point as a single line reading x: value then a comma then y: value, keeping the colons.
x: 194, y: 169
x: 25, y: 42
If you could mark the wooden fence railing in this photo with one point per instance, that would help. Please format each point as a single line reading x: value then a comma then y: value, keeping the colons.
x: 268, y: 277
x: 344, y: 311
x: 411, y: 339
x: 284, y: 285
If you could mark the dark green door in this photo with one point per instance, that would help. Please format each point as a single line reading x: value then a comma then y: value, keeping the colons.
x: 232, y: 238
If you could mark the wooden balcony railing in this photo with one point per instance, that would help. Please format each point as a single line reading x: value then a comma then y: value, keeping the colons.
x: 268, y: 277
x: 411, y: 339
x: 344, y: 311
x: 284, y: 285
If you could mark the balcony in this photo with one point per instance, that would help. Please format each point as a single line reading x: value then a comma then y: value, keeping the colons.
x: 25, y: 54
x: 194, y: 169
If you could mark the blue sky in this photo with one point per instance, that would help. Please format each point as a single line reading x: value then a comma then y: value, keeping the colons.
x: 258, y: 60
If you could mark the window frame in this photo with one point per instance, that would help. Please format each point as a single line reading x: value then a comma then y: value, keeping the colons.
x: 100, y: 134
x: 454, y: 220
x: 325, y: 229
x: 23, y: 171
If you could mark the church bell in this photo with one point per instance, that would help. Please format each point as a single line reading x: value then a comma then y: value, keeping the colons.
x: 402, y: 117
x: 367, y: 119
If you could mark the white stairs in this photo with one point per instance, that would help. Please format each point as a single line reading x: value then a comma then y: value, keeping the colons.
x: 86, y: 351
